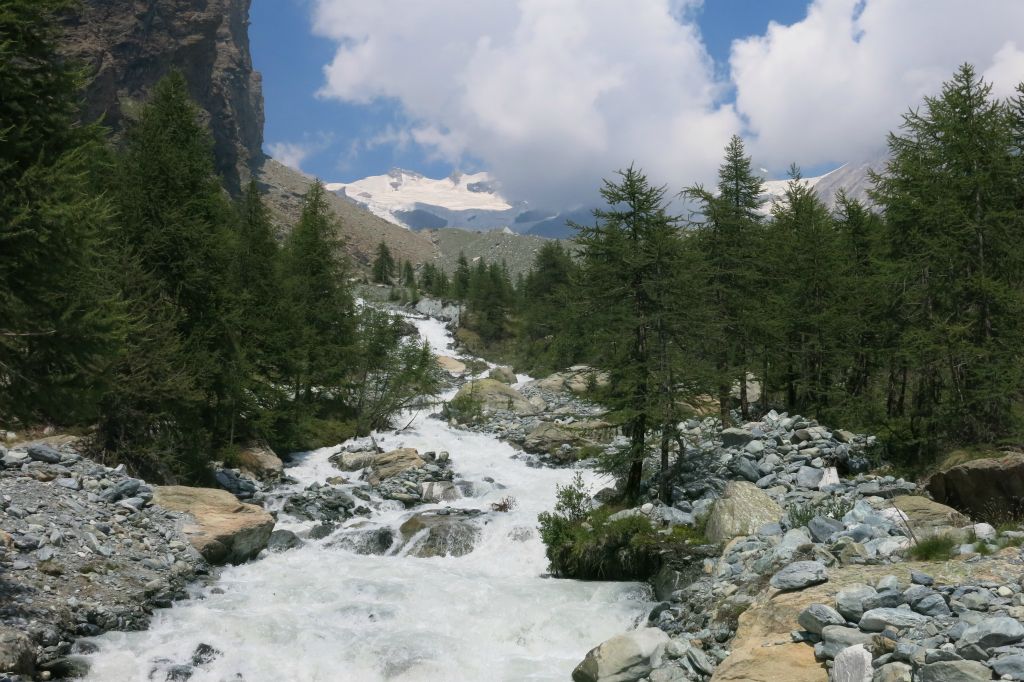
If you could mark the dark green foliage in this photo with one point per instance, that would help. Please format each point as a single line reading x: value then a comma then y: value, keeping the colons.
x: 59, y: 318
x: 952, y: 201
x: 635, y: 276
x: 383, y: 265
x: 728, y: 234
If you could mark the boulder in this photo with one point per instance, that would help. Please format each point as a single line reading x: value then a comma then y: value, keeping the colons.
x: 454, y: 367
x: 954, y: 671
x: 260, y: 462
x: 388, y: 464
x: 494, y: 396
x: 429, y: 534
x: 735, y: 438
x: 350, y: 461
x: 503, y: 374
x: 927, y: 517
x: 438, y: 491
x: 548, y: 437
x: 853, y: 664
x: 981, y: 485
x: 800, y: 574
x: 17, y: 652
x: 876, y: 620
x: 893, y: 672
x: 624, y: 658
x: 817, y: 616
x: 742, y: 509
x: 992, y: 632
x: 224, y: 530
x: 283, y: 540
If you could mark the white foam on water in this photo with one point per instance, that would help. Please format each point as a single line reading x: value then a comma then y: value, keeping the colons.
x: 321, y: 613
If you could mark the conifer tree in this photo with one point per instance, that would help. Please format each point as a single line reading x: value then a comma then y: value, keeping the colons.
x: 317, y: 302
x: 632, y: 279
x: 383, y: 265
x: 728, y: 233
x: 59, y: 321
x: 460, y: 280
x: 951, y: 199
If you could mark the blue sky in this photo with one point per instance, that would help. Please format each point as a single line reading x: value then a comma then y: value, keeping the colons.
x: 291, y: 59
x: 550, y: 96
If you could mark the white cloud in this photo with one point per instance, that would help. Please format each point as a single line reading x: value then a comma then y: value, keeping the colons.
x: 553, y: 95
x: 550, y: 95
x: 830, y: 87
x: 293, y: 154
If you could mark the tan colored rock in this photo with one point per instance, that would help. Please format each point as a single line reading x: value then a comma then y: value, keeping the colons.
x: 261, y: 462
x: 350, y: 461
x: 388, y: 464
x: 503, y: 374
x: 742, y: 509
x: 224, y: 530
x: 926, y: 517
x: 981, y: 486
x: 454, y: 367
x: 493, y: 395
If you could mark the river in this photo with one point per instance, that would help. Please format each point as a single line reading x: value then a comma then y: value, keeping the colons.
x: 324, y: 614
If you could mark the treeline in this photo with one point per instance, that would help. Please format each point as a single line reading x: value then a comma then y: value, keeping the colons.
x: 136, y: 295
x: 902, y: 317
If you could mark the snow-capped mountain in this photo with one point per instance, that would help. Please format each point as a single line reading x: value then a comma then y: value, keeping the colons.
x: 853, y: 178
x: 410, y: 199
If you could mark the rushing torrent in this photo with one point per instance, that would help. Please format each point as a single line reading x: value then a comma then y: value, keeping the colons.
x: 323, y: 613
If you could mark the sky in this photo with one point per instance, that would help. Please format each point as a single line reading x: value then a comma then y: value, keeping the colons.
x: 550, y: 96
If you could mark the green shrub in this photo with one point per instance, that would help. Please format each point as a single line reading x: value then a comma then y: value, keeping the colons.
x: 832, y: 507
x: 934, y: 548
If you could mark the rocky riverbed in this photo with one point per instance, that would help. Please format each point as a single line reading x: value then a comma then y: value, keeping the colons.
x: 413, y: 555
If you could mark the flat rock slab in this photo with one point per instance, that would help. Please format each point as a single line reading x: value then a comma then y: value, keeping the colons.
x: 225, y: 530
x: 742, y: 509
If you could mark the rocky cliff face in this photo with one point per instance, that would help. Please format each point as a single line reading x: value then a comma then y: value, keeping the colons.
x: 129, y: 45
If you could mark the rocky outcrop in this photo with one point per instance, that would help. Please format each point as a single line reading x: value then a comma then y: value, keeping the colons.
x: 224, y: 530
x: 742, y: 510
x: 260, y: 462
x: 455, y: 368
x: 983, y: 486
x: 491, y: 396
x: 623, y: 658
x: 129, y: 45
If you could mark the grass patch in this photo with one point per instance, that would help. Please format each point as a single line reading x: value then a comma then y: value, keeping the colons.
x: 934, y: 548
x: 832, y: 507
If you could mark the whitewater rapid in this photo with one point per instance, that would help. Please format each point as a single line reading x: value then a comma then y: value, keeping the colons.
x: 324, y: 614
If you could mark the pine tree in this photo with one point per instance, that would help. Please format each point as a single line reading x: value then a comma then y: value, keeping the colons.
x: 633, y: 281
x: 951, y: 199
x: 59, y: 319
x: 383, y: 265
x: 460, y: 280
x: 728, y: 231
x: 174, y: 237
x: 408, y: 274
x: 317, y: 303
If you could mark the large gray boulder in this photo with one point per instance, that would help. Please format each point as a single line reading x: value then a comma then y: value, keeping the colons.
x: 817, y: 616
x: 624, y: 658
x: 955, y: 671
x: 992, y: 632
x: 800, y: 574
x: 877, y: 620
x: 742, y: 509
